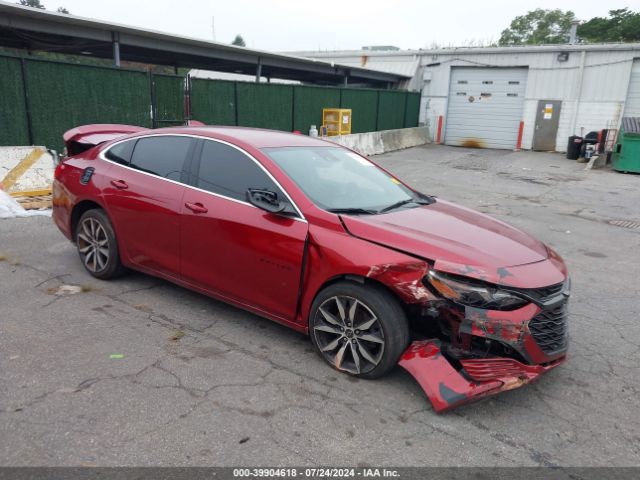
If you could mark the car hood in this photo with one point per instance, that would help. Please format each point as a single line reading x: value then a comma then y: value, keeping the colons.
x: 450, y: 234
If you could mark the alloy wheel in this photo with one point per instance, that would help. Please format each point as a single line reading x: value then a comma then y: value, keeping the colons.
x: 93, y: 244
x: 348, y: 334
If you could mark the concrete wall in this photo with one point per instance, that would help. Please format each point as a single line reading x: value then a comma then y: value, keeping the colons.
x: 374, y: 143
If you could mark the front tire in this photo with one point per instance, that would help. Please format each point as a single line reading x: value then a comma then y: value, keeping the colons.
x: 97, y: 245
x: 358, y: 329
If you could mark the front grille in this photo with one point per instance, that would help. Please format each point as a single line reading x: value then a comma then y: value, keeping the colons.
x: 549, y: 329
x: 545, y: 293
x: 484, y: 369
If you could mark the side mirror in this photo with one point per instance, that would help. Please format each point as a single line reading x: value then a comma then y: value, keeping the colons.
x: 265, y: 200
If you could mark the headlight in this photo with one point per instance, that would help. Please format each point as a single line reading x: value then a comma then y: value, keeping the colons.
x: 473, y: 293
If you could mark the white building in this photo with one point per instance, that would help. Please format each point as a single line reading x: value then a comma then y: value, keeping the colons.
x: 504, y: 97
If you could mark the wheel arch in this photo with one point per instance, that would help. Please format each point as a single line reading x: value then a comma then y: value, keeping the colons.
x: 355, y: 278
x: 78, y: 210
x: 390, y: 337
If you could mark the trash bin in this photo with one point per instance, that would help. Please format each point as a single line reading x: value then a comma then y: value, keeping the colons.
x: 626, y: 154
x: 574, y: 147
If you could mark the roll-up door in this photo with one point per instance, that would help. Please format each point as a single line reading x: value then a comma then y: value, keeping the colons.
x: 485, y: 106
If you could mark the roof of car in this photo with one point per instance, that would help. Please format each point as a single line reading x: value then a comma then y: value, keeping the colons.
x: 257, y: 137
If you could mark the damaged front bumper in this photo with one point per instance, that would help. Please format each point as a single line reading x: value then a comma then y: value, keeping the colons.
x: 479, y: 352
x: 448, y: 387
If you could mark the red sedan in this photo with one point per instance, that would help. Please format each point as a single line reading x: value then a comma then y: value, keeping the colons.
x: 319, y: 238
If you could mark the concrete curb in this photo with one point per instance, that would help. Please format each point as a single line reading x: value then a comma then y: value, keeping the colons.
x: 375, y: 143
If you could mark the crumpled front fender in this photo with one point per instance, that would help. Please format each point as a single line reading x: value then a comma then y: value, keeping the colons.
x: 448, y: 388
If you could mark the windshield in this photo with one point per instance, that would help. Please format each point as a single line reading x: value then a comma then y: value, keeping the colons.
x: 336, y: 179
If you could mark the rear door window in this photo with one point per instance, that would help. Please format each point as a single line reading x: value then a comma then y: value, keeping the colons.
x: 163, y: 156
x: 121, y: 152
x: 229, y: 172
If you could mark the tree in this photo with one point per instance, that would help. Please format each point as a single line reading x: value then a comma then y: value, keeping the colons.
x: 62, y: 10
x: 538, y: 27
x: 621, y: 25
x: 239, y: 41
x: 32, y: 3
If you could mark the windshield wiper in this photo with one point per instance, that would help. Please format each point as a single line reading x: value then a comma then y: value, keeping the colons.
x: 362, y: 211
x: 419, y: 201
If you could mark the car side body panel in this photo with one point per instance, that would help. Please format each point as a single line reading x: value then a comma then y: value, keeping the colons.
x: 242, y: 252
x: 147, y: 215
x: 334, y: 254
x: 68, y: 191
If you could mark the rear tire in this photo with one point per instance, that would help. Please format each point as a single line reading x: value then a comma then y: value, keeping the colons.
x: 358, y: 329
x: 97, y: 245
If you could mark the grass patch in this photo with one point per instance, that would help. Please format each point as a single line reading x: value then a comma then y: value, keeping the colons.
x: 3, y: 258
x: 86, y: 288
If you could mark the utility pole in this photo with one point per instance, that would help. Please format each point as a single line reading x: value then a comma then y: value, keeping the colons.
x: 213, y: 28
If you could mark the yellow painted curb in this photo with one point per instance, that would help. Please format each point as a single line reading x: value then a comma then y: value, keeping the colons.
x: 23, y: 165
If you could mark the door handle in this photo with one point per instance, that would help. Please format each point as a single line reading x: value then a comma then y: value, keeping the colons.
x: 119, y: 184
x: 196, y: 207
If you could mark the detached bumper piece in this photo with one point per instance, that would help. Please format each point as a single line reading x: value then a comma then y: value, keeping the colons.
x: 448, y: 387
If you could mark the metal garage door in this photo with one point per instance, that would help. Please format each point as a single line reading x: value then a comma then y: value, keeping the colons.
x: 632, y: 107
x: 485, y: 106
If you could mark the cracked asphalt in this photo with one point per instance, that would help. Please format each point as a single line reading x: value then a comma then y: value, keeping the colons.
x: 203, y: 383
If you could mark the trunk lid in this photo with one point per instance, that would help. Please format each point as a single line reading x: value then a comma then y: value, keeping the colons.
x: 80, y: 139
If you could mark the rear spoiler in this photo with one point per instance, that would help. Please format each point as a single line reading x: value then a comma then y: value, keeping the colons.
x: 80, y: 139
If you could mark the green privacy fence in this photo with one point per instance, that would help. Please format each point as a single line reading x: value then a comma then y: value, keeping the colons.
x: 308, y: 103
x: 213, y: 103
x: 168, y: 100
x: 41, y: 99
x: 63, y: 96
x: 13, y: 114
x: 364, y: 107
x: 297, y: 107
x: 265, y: 106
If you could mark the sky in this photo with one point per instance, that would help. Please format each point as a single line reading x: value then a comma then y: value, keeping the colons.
x: 291, y: 25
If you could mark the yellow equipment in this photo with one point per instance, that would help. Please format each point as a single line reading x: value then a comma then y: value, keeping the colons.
x: 337, y: 121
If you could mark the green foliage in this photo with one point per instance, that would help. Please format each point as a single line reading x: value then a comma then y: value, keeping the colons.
x: 37, y: 4
x: 31, y: 3
x: 538, y: 27
x: 239, y: 41
x: 621, y: 25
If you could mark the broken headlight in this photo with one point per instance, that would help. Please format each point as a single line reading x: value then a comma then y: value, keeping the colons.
x: 473, y: 293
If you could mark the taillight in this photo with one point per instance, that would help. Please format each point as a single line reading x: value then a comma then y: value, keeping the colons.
x: 58, y: 171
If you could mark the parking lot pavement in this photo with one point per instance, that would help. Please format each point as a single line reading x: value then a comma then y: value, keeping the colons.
x: 203, y: 383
